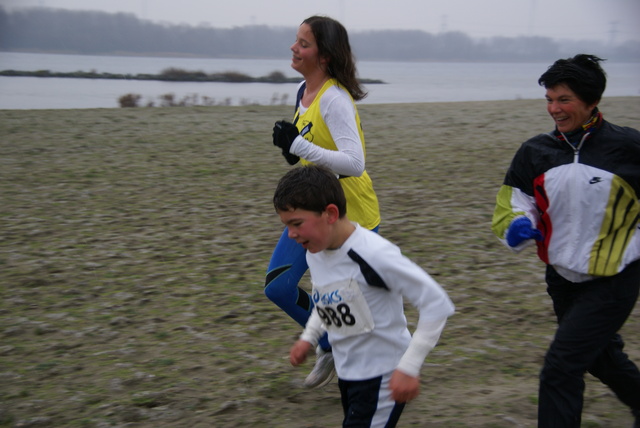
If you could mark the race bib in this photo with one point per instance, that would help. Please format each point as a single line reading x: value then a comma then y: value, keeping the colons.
x: 343, y: 308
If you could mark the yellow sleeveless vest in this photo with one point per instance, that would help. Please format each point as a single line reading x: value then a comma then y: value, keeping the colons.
x: 362, y: 202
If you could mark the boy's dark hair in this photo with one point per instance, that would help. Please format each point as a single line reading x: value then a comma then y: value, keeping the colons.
x: 582, y: 74
x: 310, y: 188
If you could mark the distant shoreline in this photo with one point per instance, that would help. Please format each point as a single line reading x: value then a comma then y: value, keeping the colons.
x: 169, y: 75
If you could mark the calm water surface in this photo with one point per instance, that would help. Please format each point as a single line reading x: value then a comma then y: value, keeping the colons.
x: 406, y: 82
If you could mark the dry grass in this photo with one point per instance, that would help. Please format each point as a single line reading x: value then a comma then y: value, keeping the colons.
x: 134, y: 244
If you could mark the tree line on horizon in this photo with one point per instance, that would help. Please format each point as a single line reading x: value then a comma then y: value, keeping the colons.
x: 101, y: 33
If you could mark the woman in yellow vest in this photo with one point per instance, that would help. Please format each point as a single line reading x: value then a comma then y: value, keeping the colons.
x: 326, y: 131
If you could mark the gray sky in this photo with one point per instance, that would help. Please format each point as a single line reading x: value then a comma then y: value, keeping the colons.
x: 605, y: 20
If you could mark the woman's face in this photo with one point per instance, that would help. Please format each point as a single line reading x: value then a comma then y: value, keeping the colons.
x: 567, y: 110
x: 305, y: 51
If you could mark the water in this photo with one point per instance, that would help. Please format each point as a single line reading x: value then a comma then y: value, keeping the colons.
x: 405, y: 82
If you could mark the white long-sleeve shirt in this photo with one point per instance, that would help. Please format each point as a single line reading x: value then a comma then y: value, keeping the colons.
x: 339, y: 114
x: 359, y: 290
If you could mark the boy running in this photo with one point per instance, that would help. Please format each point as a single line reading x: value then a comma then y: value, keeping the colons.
x: 359, y: 281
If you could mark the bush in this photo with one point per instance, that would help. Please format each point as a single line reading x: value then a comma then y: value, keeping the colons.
x: 276, y: 77
x: 180, y: 75
x: 129, y: 100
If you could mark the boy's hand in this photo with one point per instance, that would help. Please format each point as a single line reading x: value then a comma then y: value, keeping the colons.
x: 299, y: 351
x: 404, y: 388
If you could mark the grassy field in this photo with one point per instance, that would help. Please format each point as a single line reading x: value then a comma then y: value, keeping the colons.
x: 134, y: 244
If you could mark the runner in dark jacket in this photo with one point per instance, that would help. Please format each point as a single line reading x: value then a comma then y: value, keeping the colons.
x: 575, y: 193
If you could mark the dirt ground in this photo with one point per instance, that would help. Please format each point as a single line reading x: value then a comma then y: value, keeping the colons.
x: 134, y: 244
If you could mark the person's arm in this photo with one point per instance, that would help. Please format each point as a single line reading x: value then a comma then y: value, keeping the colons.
x: 405, y: 382
x: 308, y: 339
x: 313, y: 330
x: 434, y: 306
x: 339, y: 115
x: 515, y: 217
x: 424, y: 339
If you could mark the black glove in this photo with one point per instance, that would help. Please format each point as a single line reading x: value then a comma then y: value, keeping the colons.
x: 291, y: 158
x: 283, y: 135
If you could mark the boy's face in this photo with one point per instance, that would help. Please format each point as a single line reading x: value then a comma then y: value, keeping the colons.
x: 308, y: 228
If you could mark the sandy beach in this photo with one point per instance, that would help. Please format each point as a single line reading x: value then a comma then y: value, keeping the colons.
x: 134, y: 244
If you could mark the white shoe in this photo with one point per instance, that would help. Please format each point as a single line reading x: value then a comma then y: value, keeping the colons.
x: 323, y: 371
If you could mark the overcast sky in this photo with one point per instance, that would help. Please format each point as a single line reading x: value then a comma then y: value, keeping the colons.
x: 606, y: 20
